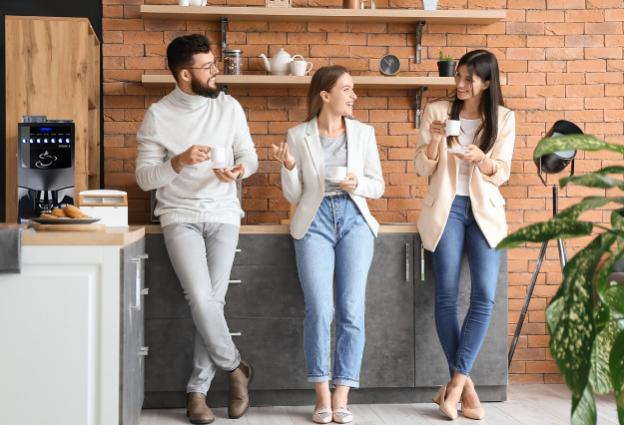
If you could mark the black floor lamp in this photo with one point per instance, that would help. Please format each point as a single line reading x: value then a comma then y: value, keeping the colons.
x: 548, y: 164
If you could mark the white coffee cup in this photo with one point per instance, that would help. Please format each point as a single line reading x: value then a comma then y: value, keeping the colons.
x: 300, y: 67
x: 336, y: 173
x: 218, y: 157
x: 453, y: 127
x: 184, y: 2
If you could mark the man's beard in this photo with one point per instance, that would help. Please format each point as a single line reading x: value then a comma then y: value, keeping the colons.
x: 203, y: 89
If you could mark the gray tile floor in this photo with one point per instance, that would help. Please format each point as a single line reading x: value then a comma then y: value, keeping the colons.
x: 527, y: 404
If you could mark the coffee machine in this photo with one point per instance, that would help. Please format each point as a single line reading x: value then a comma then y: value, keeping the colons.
x: 45, y: 165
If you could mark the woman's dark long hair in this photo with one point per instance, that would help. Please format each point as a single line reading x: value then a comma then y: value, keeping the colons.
x: 323, y: 80
x: 484, y: 65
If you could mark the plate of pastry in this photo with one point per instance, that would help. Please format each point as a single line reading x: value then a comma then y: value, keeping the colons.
x: 69, y: 214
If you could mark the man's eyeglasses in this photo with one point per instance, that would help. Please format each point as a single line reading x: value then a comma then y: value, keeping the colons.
x: 210, y: 66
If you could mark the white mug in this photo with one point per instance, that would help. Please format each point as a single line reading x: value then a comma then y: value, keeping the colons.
x: 453, y: 127
x: 184, y: 2
x: 218, y: 157
x: 198, y: 2
x: 336, y: 173
x: 300, y: 67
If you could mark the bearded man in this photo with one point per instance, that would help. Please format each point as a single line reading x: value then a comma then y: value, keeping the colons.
x: 193, y: 145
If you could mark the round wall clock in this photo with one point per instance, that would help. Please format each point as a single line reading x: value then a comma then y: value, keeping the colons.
x: 389, y: 65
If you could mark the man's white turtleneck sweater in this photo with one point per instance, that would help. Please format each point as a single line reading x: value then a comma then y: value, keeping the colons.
x: 171, y: 126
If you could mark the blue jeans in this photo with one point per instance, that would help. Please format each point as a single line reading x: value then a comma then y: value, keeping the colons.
x: 333, y: 259
x: 461, y: 346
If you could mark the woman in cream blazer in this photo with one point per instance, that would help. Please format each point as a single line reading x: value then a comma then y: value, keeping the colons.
x: 333, y: 230
x: 464, y: 211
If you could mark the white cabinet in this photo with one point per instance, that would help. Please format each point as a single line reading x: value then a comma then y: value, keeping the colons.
x: 63, y: 355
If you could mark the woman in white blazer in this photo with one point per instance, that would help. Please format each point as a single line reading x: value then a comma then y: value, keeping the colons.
x: 330, y: 166
x: 464, y: 212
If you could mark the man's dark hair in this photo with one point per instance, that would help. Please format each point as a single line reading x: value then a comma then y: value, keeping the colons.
x: 181, y: 50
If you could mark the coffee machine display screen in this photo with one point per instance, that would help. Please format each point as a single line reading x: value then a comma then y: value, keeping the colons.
x: 47, y: 147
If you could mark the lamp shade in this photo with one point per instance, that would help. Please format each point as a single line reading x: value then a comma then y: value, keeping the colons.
x: 557, y: 161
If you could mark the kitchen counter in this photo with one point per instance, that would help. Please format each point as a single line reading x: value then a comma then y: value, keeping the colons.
x: 282, y: 229
x: 121, y: 236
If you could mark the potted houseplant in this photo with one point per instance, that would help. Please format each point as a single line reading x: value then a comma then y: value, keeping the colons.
x: 585, y: 318
x: 446, y: 66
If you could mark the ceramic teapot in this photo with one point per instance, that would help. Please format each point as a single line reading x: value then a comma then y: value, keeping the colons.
x: 279, y: 64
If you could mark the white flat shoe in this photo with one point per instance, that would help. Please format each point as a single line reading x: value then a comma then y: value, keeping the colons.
x: 342, y: 415
x: 322, y: 416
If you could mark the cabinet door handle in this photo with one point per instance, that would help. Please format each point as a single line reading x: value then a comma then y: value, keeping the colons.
x: 235, y: 281
x: 143, y: 351
x: 422, y: 263
x: 237, y: 250
x: 236, y: 334
x: 138, y: 281
x: 407, y: 262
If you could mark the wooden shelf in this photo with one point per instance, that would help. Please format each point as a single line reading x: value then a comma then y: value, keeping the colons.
x: 161, y: 80
x: 215, y: 13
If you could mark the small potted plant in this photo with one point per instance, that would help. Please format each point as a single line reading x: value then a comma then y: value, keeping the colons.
x: 446, y: 66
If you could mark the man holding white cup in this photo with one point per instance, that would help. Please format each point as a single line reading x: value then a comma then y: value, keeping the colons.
x: 193, y: 145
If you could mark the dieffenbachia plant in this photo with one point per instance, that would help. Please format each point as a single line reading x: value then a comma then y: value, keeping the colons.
x: 585, y: 318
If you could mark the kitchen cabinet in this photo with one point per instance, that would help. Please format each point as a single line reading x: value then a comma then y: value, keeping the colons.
x: 72, y: 328
x: 52, y: 60
x: 264, y: 309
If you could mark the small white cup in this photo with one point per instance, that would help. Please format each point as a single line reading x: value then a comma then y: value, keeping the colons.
x: 336, y: 173
x: 300, y: 68
x: 218, y: 157
x: 453, y: 127
x: 184, y: 2
x: 198, y: 2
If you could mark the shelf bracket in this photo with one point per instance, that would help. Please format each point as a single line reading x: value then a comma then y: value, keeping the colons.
x: 224, y: 41
x: 419, y: 93
x: 420, y: 26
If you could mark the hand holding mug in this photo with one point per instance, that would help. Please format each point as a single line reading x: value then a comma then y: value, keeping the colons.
x: 437, y: 129
x: 228, y: 176
x: 193, y: 155
x: 350, y: 183
x: 282, y: 155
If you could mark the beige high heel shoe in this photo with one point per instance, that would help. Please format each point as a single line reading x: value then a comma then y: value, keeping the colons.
x: 476, y: 413
x: 446, y: 408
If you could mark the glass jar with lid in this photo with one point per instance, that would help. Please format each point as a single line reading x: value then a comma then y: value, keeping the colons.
x: 232, y: 62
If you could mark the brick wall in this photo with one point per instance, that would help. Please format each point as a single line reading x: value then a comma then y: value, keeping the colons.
x: 559, y: 59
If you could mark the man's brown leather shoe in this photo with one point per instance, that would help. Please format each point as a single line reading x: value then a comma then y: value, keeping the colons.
x: 197, y: 410
x: 238, y: 402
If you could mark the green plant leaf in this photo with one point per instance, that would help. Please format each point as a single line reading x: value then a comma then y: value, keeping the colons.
x: 612, y: 169
x: 614, y: 297
x: 608, y: 329
x: 587, y: 203
x: 584, y: 408
x: 571, y: 318
x: 586, y: 142
x: 616, y: 365
x: 593, y: 180
x: 553, y: 229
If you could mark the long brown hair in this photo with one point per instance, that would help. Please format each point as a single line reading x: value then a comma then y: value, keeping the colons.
x: 483, y: 64
x: 323, y: 80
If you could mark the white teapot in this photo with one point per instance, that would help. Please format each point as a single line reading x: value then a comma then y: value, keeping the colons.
x: 279, y: 64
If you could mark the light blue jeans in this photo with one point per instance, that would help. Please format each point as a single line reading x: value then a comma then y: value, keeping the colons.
x: 333, y: 259
x: 461, y: 346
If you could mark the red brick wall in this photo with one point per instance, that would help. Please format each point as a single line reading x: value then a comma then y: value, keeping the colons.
x: 559, y: 59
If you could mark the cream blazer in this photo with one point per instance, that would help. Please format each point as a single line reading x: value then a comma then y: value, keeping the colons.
x: 304, y: 185
x: 488, y: 205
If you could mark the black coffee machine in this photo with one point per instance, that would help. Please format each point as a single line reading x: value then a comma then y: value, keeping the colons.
x: 45, y: 165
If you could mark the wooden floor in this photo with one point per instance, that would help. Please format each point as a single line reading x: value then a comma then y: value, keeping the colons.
x: 527, y: 404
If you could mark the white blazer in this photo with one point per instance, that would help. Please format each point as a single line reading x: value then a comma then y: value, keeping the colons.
x: 304, y: 185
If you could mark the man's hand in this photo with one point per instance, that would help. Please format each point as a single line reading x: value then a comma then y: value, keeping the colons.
x: 227, y: 176
x: 193, y: 155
